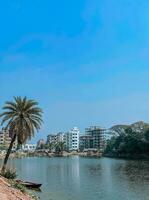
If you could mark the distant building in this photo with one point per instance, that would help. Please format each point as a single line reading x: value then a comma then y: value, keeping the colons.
x: 51, y: 138
x: 85, y: 142
x: 93, y: 139
x: 70, y: 138
x: 55, y: 138
x: 40, y: 143
x: 67, y: 138
x: 29, y: 147
x: 73, y: 139
x: 61, y: 137
x: 5, y: 139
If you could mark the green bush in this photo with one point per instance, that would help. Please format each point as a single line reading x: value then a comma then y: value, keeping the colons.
x: 19, y: 186
x: 9, y: 174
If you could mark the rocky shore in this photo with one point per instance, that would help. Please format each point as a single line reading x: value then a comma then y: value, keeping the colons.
x: 65, y: 154
x: 9, y: 193
x: 48, y: 154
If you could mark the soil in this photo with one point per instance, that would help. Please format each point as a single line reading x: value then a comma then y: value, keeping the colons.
x: 9, y: 193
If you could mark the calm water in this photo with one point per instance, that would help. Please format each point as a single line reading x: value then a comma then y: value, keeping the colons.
x: 86, y: 178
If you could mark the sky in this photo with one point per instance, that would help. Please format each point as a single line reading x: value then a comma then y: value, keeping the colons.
x: 85, y: 62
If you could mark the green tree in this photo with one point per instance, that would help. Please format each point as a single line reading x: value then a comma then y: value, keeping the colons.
x: 60, y: 147
x: 130, y: 143
x: 51, y: 146
x: 22, y: 118
x: 147, y: 135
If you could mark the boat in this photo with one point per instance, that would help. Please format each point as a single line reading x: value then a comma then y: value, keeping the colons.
x: 29, y: 184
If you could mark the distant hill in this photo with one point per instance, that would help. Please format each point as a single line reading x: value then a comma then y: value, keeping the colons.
x: 139, y: 126
x: 119, y: 128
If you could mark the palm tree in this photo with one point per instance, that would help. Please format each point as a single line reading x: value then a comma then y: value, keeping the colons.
x: 51, y: 145
x: 22, y: 118
x: 60, y: 147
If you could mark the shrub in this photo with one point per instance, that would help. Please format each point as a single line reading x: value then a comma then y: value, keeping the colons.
x: 9, y: 174
x: 18, y: 186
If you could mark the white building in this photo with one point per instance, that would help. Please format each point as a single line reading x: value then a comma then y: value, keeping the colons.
x: 61, y: 137
x: 29, y: 147
x: 73, y: 139
x: 5, y: 139
x: 55, y: 138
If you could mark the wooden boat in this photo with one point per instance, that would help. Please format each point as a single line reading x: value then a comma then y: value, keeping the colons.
x: 29, y: 184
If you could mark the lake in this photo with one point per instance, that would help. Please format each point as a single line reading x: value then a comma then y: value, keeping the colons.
x: 78, y: 178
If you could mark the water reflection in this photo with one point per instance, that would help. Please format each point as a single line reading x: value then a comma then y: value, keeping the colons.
x: 86, y: 179
x: 134, y: 170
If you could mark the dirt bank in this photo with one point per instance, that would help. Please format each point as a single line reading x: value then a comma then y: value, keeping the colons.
x: 9, y: 193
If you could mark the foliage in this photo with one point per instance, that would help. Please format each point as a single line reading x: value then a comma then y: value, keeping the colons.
x: 43, y: 146
x: 9, y: 174
x: 18, y: 186
x: 22, y: 118
x: 3, y: 147
x: 33, y: 196
x: 147, y: 135
x: 51, y: 146
x: 23, y: 189
x: 130, y: 142
x: 60, y: 147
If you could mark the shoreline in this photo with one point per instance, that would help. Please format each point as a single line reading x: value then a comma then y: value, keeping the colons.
x: 128, y: 156
x: 7, y: 192
x: 70, y: 154
x: 47, y: 154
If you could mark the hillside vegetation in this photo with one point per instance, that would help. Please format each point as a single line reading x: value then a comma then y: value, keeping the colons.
x: 132, y: 141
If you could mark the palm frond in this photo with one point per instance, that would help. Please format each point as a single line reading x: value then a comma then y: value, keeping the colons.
x: 22, y: 116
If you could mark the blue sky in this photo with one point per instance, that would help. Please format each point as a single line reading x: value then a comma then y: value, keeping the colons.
x: 86, y: 62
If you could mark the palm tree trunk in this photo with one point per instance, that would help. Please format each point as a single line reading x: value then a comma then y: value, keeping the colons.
x: 8, y: 153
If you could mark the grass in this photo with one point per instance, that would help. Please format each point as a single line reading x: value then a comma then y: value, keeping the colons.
x: 18, y: 186
x: 9, y: 174
x: 23, y: 189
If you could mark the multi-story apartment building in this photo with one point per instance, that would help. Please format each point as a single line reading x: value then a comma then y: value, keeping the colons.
x: 5, y: 139
x: 93, y: 138
x: 61, y: 137
x: 55, y: 138
x: 73, y: 139
x: 51, y: 138
x: 85, y: 142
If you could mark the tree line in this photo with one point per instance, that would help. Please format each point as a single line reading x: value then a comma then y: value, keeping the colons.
x: 129, y: 143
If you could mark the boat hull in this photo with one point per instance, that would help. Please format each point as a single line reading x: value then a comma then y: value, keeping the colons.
x: 29, y: 184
